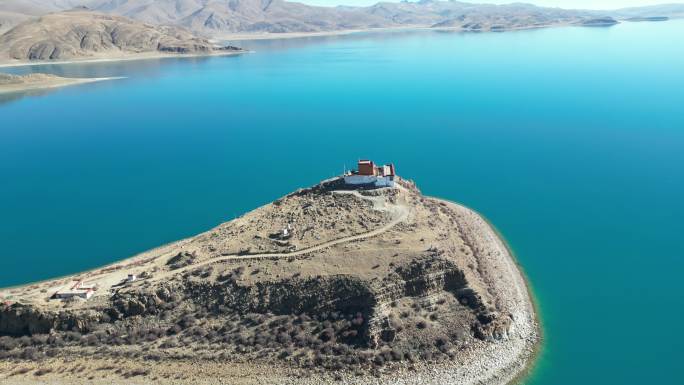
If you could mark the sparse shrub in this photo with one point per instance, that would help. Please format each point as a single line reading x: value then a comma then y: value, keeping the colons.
x: 72, y: 336
x: 254, y: 319
x: 350, y: 334
x: 30, y: 353
x: 20, y: 371
x: 285, y: 353
x: 326, y: 349
x: 336, y: 365
x: 8, y: 343
x: 387, y: 355
x: 117, y: 341
x: 283, y: 338
x: 396, y: 354
x: 90, y: 340
x: 42, y: 372
x: 137, y: 372
x: 153, y: 357
x: 24, y: 341
x: 187, y: 321
x: 131, y: 339
x: 341, y: 349
x: 365, y: 357
x: 39, y: 339
x: 341, y: 325
x: 444, y: 348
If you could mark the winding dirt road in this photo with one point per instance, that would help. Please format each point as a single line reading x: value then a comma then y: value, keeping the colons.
x: 399, y: 213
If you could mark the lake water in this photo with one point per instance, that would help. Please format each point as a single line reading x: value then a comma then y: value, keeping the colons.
x: 570, y: 140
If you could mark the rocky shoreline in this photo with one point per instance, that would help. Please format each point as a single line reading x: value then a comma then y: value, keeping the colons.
x: 117, y: 58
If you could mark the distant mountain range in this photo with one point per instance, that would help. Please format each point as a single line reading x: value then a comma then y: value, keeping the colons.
x: 221, y: 17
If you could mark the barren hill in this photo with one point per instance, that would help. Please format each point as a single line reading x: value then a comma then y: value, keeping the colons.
x: 83, y: 34
x: 324, y: 283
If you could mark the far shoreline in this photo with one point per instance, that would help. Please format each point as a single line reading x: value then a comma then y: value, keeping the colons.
x: 237, y: 37
x: 57, y: 82
x: 123, y: 58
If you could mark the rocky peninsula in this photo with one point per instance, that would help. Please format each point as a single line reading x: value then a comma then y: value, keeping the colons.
x: 599, y: 22
x: 330, y: 283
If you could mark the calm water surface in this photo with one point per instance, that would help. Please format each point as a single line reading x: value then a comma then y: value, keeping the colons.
x: 570, y: 140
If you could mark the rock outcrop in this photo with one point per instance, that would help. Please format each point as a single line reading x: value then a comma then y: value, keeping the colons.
x: 21, y: 320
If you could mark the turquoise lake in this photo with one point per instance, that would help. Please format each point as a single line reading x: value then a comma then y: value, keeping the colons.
x: 570, y: 140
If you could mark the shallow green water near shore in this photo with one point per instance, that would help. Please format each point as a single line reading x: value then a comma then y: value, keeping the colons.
x: 570, y: 140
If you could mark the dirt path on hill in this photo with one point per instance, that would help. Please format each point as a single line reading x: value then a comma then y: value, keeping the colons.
x: 399, y: 213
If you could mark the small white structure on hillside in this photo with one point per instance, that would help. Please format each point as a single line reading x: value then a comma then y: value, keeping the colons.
x: 77, y: 290
x: 286, y: 232
x: 131, y: 278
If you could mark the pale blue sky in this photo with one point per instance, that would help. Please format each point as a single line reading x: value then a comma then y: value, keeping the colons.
x: 574, y: 4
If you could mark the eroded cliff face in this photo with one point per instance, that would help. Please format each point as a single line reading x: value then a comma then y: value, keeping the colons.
x: 370, y: 302
x: 26, y: 320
